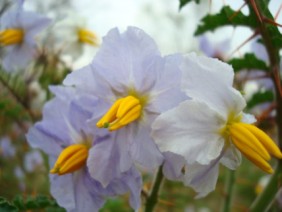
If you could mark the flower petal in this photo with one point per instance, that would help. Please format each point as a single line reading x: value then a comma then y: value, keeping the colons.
x: 191, y: 130
x: 17, y: 57
x: 167, y: 81
x: 210, y: 80
x: 232, y: 157
x: 123, y: 57
x: 62, y: 189
x: 173, y: 166
x: 144, y: 150
x: 108, y: 158
x: 86, y: 196
x: 202, y: 178
x: 38, y: 139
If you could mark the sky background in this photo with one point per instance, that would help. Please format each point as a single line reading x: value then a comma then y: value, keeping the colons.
x: 171, y: 28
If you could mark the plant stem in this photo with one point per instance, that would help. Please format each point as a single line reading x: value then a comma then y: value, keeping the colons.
x: 153, y: 197
x: 17, y: 98
x: 230, y: 178
x: 264, y: 200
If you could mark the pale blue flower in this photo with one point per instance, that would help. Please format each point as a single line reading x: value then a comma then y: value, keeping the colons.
x: 64, y: 125
x: 129, y: 72
x: 214, y: 49
x: 33, y: 160
x: 18, y: 29
x: 6, y: 148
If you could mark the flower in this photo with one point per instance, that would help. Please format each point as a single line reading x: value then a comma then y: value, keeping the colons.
x: 135, y: 84
x: 212, y: 49
x: 211, y: 128
x: 6, y: 148
x: 64, y: 136
x: 17, y: 34
x: 33, y: 160
x: 71, y: 35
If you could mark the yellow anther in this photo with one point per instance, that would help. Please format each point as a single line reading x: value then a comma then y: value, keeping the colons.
x: 265, y: 140
x: 71, y: 159
x: 11, y: 37
x: 86, y: 36
x: 253, y: 156
x: 246, y: 138
x: 122, y: 112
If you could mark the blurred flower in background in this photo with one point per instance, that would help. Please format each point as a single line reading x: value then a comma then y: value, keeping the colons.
x: 7, y: 150
x: 18, y: 31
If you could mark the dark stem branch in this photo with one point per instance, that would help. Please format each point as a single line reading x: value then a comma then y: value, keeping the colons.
x: 154, y: 195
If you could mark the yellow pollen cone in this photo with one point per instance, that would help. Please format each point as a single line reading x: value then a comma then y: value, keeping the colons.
x: 253, y: 156
x: 71, y: 159
x: 11, y: 37
x: 247, y: 139
x: 88, y: 37
x: 265, y: 140
x: 122, y: 112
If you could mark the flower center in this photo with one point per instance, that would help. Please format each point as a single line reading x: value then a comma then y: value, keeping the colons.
x: 71, y: 159
x: 11, y: 37
x: 123, y: 111
x: 88, y: 37
x: 254, y: 144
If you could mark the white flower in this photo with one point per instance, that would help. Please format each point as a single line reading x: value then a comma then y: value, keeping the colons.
x: 211, y: 128
x: 71, y: 34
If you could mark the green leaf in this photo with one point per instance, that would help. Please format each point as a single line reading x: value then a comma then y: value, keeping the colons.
x: 271, y: 30
x: 226, y: 17
x: 260, y: 97
x: 276, y: 36
x: 184, y: 2
x: 5, y: 206
x: 38, y: 202
x: 249, y: 61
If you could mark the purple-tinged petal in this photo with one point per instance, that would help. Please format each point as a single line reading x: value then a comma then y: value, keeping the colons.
x: 62, y: 189
x: 39, y: 139
x: 202, y: 178
x: 173, y: 166
x: 122, y: 57
x: 87, y: 79
x: 109, y: 158
x: 143, y: 149
x: 85, y: 200
x: 22, y: 54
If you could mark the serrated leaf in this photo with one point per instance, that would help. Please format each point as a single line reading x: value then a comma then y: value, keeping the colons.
x: 260, y: 97
x: 19, y: 202
x: 226, y: 17
x: 5, y: 206
x: 43, y: 201
x: 38, y: 202
x: 249, y: 61
x: 184, y: 2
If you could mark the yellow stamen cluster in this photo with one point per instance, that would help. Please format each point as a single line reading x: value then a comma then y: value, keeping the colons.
x: 11, y: 37
x: 88, y: 37
x: 71, y: 159
x: 254, y: 145
x: 123, y: 111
